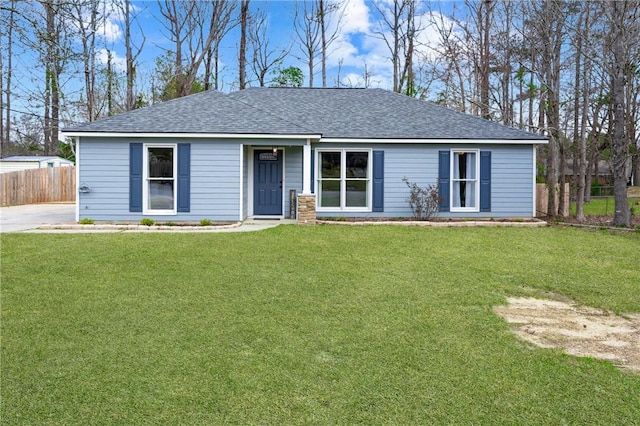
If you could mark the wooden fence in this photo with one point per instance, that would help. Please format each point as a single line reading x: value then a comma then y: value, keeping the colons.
x: 46, y: 185
x: 542, y: 200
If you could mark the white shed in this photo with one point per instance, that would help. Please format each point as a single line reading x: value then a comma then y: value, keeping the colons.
x: 24, y: 162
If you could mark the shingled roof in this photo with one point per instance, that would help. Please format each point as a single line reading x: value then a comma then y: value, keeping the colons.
x: 331, y: 113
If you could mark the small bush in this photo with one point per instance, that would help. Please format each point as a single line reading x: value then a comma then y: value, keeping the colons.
x: 170, y: 224
x: 424, y: 202
x: 205, y: 222
x: 147, y: 222
x: 86, y: 221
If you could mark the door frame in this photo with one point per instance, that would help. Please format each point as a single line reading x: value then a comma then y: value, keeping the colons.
x: 250, y: 180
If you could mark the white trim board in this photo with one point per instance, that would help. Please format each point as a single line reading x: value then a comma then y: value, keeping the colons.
x: 317, y: 138
x: 439, y: 141
x: 191, y: 135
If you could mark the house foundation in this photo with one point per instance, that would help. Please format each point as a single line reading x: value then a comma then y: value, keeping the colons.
x: 306, y: 209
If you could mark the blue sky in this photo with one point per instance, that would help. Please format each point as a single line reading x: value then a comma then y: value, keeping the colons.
x: 355, y: 46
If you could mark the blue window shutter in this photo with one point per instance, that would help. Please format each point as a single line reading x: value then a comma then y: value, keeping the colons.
x: 444, y: 174
x: 313, y: 171
x: 485, y: 181
x: 184, y: 177
x: 135, y: 177
x: 378, y: 181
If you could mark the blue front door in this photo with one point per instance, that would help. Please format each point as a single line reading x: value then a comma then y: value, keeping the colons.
x: 267, y: 183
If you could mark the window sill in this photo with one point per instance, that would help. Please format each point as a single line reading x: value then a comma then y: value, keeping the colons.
x: 345, y: 210
x: 464, y: 210
x: 159, y: 212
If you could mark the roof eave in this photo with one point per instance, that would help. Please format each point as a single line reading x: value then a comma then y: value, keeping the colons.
x: 436, y: 141
x: 75, y: 133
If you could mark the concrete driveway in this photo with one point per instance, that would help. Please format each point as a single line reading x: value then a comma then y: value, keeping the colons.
x: 31, y: 216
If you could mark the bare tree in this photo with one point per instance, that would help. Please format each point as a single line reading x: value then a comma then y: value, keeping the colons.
x: 326, y: 11
x: 547, y: 36
x: 263, y: 57
x: 579, y: 115
x: 407, y: 79
x: 86, y: 19
x: 308, y: 32
x: 55, y: 57
x: 622, y: 20
x: 6, y: 72
x: 130, y: 56
x: 220, y: 23
x: 391, y: 31
x: 242, y: 54
x: 450, y: 64
x: 185, y: 22
x: 484, y: 17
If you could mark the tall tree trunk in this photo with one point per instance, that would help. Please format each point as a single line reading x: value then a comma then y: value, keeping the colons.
x: 580, y: 110
x: 109, y: 84
x: 130, y: 102
x: 242, y: 54
x: 484, y: 21
x: 216, y: 66
x: 395, y: 56
x: 407, y: 84
x: 2, y: 73
x: 87, y: 32
x: 622, y: 215
x: 7, y: 72
x: 52, y: 96
x: 323, y: 34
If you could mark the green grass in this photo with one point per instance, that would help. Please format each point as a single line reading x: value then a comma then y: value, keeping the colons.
x: 306, y: 325
x: 603, y: 206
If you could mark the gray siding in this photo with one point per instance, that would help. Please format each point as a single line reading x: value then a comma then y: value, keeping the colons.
x: 511, y: 178
x: 220, y: 171
x: 245, y: 181
x: 292, y: 173
x: 215, y: 180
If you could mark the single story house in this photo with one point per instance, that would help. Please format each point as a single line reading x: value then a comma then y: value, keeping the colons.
x: 299, y: 153
x: 602, y: 174
x: 25, y: 162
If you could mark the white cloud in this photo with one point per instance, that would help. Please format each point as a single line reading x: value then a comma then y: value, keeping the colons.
x: 106, y: 20
x: 362, y: 42
x: 355, y: 17
x: 113, y: 10
x: 110, y: 31
x: 356, y: 44
x: 118, y: 63
x: 373, y: 80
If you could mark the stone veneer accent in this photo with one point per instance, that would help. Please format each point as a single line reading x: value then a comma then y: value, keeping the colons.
x: 306, y: 209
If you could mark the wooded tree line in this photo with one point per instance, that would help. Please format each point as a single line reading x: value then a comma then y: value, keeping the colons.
x: 566, y: 69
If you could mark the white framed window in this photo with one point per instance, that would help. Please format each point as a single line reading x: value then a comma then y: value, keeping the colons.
x: 160, y: 171
x: 465, y: 181
x: 343, y: 180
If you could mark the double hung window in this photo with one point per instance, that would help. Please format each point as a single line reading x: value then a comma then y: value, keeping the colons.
x: 344, y: 180
x: 160, y: 179
x: 464, y: 181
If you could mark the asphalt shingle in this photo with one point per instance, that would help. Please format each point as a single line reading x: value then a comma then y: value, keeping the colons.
x: 333, y: 113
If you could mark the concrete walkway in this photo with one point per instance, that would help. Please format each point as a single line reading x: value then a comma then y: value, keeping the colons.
x: 32, y: 216
x: 60, y: 218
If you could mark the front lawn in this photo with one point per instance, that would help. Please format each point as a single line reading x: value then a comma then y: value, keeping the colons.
x: 604, y: 206
x: 306, y: 325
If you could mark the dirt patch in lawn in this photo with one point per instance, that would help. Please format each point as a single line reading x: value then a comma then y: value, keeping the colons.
x: 578, y: 330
